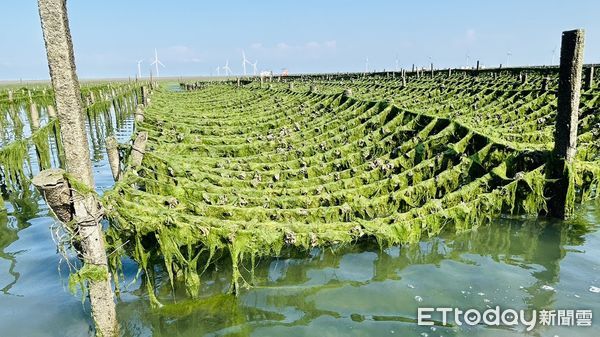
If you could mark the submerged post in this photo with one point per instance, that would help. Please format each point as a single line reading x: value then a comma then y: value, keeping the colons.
x: 139, y: 114
x: 560, y: 189
x: 112, y: 151
x: 84, y: 208
x: 35, y: 116
x: 144, y: 93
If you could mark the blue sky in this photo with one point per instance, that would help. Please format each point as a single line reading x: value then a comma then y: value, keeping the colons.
x: 194, y: 37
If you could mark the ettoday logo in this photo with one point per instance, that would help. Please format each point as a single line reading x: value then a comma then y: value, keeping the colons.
x: 506, y: 317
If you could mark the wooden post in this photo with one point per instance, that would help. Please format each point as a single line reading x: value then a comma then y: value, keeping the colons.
x: 545, y: 81
x: 431, y: 70
x: 139, y: 114
x: 291, y: 86
x: 138, y: 149
x: 10, y: 96
x: 477, y: 69
x: 559, y: 190
x: 112, y: 151
x: 35, y: 116
x: 589, y: 78
x: 144, y: 92
x: 51, y: 111
x: 84, y: 208
x: 313, y: 88
x: 449, y: 72
x: 347, y: 93
x: 413, y: 68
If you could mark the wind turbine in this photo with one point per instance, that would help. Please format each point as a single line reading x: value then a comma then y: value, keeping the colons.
x: 367, y: 65
x: 254, y: 69
x: 218, y: 71
x: 508, y: 55
x: 139, y: 68
x: 227, y: 69
x: 157, y: 62
x: 244, y: 61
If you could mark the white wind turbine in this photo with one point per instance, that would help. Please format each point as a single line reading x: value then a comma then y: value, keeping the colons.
x: 254, y: 68
x: 157, y: 62
x: 227, y: 69
x: 508, y: 55
x: 367, y: 65
x: 218, y: 71
x: 139, y: 74
x: 244, y: 61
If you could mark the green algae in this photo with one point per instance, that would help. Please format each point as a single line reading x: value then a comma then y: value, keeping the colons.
x: 252, y: 172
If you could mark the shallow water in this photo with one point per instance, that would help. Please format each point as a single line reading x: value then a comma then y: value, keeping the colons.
x: 358, y: 290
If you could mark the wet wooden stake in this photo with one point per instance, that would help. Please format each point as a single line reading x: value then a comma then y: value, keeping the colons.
x: 51, y: 111
x: 144, y: 92
x: 138, y: 149
x: 114, y: 160
x: 559, y: 189
x: 35, y: 116
x: 545, y: 81
x: 139, y: 114
x: 84, y: 210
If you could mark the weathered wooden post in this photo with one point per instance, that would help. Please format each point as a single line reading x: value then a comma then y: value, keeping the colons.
x: 524, y: 78
x: 35, y: 116
x: 114, y: 160
x: 144, y: 92
x: 589, y: 78
x: 291, y: 86
x: 84, y: 210
x: 477, y: 69
x: 138, y: 149
x: 545, y: 81
x: 313, y: 88
x: 432, y: 70
x: 449, y: 72
x: 560, y: 189
x: 413, y: 68
x: 51, y: 111
x: 139, y: 114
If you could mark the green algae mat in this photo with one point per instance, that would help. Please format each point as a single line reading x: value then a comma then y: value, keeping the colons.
x: 239, y: 173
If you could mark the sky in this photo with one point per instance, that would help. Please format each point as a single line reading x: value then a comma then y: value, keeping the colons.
x: 195, y: 37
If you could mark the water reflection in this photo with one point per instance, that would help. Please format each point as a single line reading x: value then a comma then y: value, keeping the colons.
x: 363, y: 290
